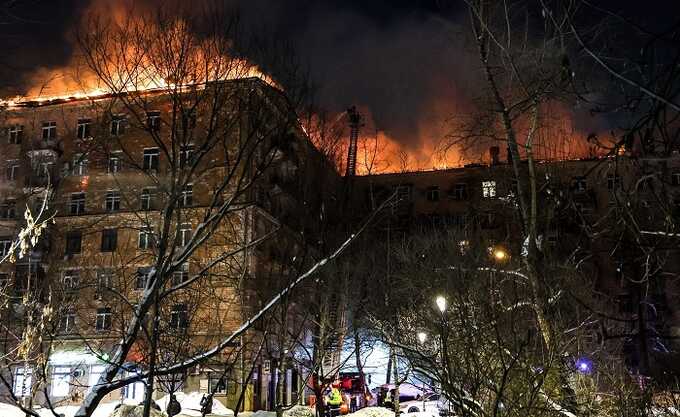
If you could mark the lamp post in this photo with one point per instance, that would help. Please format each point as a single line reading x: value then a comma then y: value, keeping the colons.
x: 441, y: 305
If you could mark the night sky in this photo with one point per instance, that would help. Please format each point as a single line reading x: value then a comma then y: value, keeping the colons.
x: 406, y: 62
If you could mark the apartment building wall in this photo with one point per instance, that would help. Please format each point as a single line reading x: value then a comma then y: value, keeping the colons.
x: 109, y: 257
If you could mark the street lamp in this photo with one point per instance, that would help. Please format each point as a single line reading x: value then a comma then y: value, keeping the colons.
x: 499, y: 253
x: 422, y: 337
x: 441, y: 303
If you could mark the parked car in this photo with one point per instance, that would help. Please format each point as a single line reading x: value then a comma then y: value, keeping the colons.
x: 432, y: 402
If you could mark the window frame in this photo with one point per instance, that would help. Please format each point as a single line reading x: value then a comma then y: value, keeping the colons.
x: 109, y: 241
x: 49, y: 130
x: 151, y: 159
x: 77, y: 203
x: 153, y: 120
x: 104, y: 316
x: 179, y: 317
x: 5, y: 246
x: 15, y: 134
x: 71, y: 237
x: 83, y: 128
x: 120, y: 123
x: 145, y: 235
x: 186, y: 198
x: 112, y: 200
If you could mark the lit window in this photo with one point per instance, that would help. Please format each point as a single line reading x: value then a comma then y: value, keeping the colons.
x: 77, y: 203
x: 146, y: 238
x: 186, y: 199
x: 178, y: 317
x: 15, y: 134
x: 151, y: 159
x: 109, y: 240
x: 112, y: 201
x: 71, y: 279
x: 488, y: 189
x: 118, y: 125
x: 79, y: 165
x: 83, y: 128
x: 104, y: 282
x: 103, y: 321
x: 153, y: 121
x: 49, y: 130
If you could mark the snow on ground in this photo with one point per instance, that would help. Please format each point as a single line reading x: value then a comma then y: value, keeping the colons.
x: 374, y: 412
x: 191, y: 404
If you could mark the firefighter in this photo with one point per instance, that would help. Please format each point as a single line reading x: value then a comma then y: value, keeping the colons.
x: 334, y: 400
x: 388, y: 402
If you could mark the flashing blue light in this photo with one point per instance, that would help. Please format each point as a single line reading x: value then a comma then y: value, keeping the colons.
x: 584, y: 365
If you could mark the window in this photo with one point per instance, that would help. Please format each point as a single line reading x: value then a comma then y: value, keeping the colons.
x: 675, y: 178
x: 77, y: 203
x: 83, y: 129
x: 79, y: 165
x: 142, y: 277
x: 178, y: 317
x: 185, y: 154
x: 104, y: 282
x: 580, y: 184
x: 23, y: 379
x: 103, y: 321
x: 109, y: 240
x: 146, y: 199
x: 403, y: 193
x: 217, y: 385
x: 96, y: 372
x: 112, y: 201
x: 71, y: 279
x: 459, y: 191
x: 5, y: 246
x: 49, y: 130
x: 12, y: 170
x: 8, y: 209
x: 613, y: 182
x: 4, y: 280
x: 153, y: 121
x: 433, y: 193
x: 488, y: 189
x: 113, y: 165
x: 146, y: 238
x: 67, y: 322
x: 15, y: 134
x: 182, y: 275
x: 184, y: 234
x: 118, y: 123
x: 186, y: 199
x: 151, y: 158
x: 73, y: 242
x: 189, y: 119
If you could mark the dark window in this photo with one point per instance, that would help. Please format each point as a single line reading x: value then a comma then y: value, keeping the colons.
x: 459, y: 191
x: 675, y: 178
x: 403, y: 193
x: 79, y: 165
x: 580, y: 184
x: 146, y: 238
x: 118, y: 123
x: 186, y: 199
x: 83, y: 130
x: 433, y: 193
x: 77, y: 203
x: 8, y: 210
x: 103, y: 319
x: 185, y: 155
x: 12, y: 170
x: 178, y: 316
x: 153, y: 120
x: 217, y: 385
x: 49, y: 130
x: 113, y: 165
x: 142, y: 277
x: 71, y: 279
x: 15, y: 134
x: 189, y: 119
x: 112, y: 201
x: 146, y: 199
x: 5, y: 246
x: 184, y: 234
x: 73, y: 242
x: 67, y: 323
x: 613, y: 182
x: 182, y: 275
x: 109, y: 240
x: 151, y: 159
